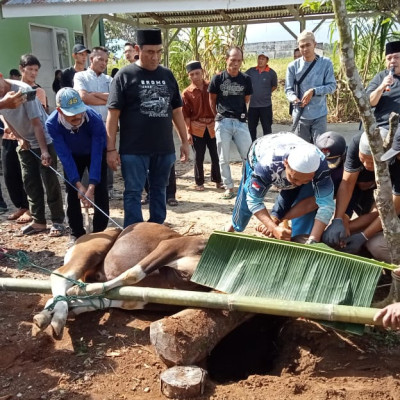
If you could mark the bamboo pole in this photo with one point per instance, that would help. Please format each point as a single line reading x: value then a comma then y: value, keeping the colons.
x: 231, y: 302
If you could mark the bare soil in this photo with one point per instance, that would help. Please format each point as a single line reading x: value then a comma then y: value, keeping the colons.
x: 108, y: 355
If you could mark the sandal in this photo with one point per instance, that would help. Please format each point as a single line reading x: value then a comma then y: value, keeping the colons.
x: 31, y: 230
x: 16, y: 214
x: 57, y: 230
x: 219, y: 185
x: 199, y: 188
x: 172, y: 202
x: 24, y: 218
x: 228, y: 194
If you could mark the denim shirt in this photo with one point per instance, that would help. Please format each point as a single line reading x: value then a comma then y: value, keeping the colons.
x: 266, y: 157
x: 321, y: 78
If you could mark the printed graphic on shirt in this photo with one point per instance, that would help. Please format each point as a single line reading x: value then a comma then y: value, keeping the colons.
x: 229, y: 88
x: 154, y: 98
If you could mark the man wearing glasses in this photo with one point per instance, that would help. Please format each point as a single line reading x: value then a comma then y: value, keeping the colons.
x: 145, y: 99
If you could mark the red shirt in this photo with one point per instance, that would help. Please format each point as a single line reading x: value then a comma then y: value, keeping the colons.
x: 196, y: 107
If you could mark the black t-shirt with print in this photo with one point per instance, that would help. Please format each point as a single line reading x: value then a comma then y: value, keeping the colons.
x: 146, y: 100
x: 231, y: 92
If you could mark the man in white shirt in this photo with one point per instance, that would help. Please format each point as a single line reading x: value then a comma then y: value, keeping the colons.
x: 94, y: 86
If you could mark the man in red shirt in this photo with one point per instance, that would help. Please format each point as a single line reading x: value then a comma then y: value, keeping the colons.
x: 199, y: 120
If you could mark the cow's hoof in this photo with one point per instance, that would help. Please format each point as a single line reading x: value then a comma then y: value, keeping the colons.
x: 94, y: 288
x: 76, y: 291
x: 43, y: 319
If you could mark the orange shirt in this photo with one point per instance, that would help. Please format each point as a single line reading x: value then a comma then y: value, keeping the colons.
x: 260, y: 71
x: 196, y: 107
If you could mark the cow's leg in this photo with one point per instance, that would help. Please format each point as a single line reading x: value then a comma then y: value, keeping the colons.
x: 80, y: 260
x: 180, y: 253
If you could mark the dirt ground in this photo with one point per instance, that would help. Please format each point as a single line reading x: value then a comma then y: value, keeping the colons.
x: 108, y: 355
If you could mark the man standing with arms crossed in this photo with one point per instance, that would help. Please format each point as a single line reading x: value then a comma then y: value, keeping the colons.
x: 309, y: 97
x: 229, y: 96
x: 265, y: 81
x: 145, y: 99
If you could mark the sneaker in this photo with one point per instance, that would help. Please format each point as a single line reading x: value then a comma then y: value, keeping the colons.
x: 114, y: 195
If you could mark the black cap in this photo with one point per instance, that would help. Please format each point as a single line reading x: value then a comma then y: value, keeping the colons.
x: 192, y: 65
x: 79, y: 48
x: 333, y: 146
x: 148, y: 36
x: 392, y: 47
x: 395, y: 149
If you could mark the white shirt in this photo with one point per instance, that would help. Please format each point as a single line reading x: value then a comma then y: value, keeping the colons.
x: 91, y: 82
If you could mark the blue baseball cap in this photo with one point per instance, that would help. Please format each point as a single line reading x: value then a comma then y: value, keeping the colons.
x: 69, y: 101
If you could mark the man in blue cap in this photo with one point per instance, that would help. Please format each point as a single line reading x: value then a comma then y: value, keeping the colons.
x: 144, y: 101
x: 79, y: 137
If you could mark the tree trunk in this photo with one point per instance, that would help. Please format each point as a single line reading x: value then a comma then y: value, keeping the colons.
x: 189, y: 336
x: 383, y: 195
x: 183, y: 382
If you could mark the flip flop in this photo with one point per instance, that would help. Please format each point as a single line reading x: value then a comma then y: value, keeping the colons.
x: 228, y: 194
x: 199, y: 188
x: 24, y: 218
x: 31, y: 230
x: 219, y: 185
x: 57, y: 230
x: 16, y: 214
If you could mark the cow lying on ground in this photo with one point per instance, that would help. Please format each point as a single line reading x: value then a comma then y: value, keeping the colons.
x: 109, y: 259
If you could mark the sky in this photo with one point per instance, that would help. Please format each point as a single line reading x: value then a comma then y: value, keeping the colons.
x: 275, y: 32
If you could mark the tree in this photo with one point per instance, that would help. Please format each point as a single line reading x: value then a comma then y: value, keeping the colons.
x: 383, y: 194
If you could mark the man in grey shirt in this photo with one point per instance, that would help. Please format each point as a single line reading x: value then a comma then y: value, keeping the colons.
x: 309, y: 98
x: 265, y: 81
x: 36, y: 153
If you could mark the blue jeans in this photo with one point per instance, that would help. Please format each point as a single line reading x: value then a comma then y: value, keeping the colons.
x: 135, y: 168
x: 310, y: 129
x: 226, y: 130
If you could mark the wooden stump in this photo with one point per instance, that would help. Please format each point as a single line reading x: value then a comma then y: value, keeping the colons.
x: 183, y: 382
x: 189, y: 336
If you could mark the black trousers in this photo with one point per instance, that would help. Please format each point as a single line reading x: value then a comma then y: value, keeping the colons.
x: 199, y: 148
x: 74, y: 212
x: 12, y: 174
x: 256, y: 114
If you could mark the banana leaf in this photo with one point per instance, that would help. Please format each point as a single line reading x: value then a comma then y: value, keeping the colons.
x: 269, y: 268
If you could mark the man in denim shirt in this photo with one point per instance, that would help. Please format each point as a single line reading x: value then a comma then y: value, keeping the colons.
x: 287, y: 162
x: 309, y: 100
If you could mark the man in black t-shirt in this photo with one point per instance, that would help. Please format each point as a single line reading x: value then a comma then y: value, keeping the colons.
x: 144, y: 98
x: 229, y: 95
x: 356, y: 193
x: 79, y: 54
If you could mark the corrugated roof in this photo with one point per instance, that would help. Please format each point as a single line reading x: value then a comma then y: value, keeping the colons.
x: 176, y: 14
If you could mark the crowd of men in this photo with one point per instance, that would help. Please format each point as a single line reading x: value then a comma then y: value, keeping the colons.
x: 102, y: 123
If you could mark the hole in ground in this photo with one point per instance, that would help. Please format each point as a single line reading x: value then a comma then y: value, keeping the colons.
x: 249, y: 349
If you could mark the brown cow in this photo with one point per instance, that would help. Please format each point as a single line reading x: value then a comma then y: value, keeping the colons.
x: 113, y: 258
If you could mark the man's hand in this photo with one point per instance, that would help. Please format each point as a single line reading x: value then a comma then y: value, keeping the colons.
x: 354, y: 243
x: 307, y: 97
x: 184, y: 152
x: 390, y: 316
x: 46, y: 158
x: 282, y: 233
x: 335, y: 234
x: 12, y: 100
x: 24, y: 144
x: 190, y: 139
x: 113, y: 160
